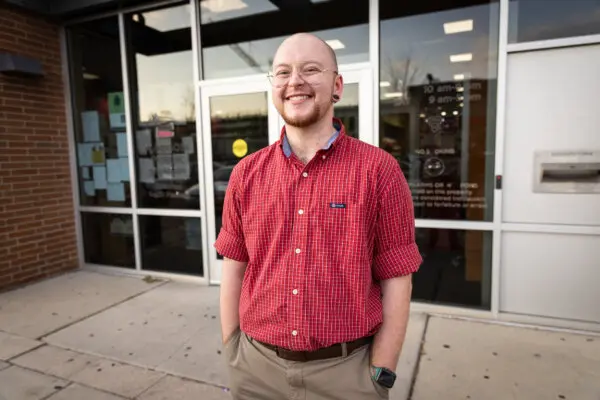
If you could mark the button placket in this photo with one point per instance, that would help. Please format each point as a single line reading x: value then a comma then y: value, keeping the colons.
x: 303, y: 190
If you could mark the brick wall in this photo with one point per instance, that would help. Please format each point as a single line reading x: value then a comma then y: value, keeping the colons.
x: 37, y: 229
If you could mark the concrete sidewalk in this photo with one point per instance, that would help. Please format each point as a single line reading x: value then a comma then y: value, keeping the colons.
x: 93, y: 336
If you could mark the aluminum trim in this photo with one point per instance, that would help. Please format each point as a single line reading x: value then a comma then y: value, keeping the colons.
x: 499, y: 150
x: 169, y: 212
x: 374, y: 41
x: 197, y: 73
x: 553, y: 43
x: 555, y: 229
x: 450, y: 224
x: 68, y: 93
x: 226, y: 88
x: 106, y: 210
x: 130, y: 146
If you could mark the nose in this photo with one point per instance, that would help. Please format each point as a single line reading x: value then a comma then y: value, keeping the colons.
x: 295, y: 78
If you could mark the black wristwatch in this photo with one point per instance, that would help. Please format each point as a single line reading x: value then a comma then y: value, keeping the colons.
x: 384, y: 377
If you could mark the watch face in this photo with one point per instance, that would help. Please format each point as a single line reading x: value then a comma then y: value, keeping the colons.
x: 386, y: 379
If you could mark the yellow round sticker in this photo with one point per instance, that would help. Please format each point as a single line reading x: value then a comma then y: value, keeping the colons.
x: 240, y: 148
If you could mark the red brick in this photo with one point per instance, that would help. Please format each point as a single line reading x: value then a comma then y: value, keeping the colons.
x: 27, y: 276
x: 6, y: 279
x: 29, y: 261
x: 37, y: 234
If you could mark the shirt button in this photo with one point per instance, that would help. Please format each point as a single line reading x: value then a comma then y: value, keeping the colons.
x: 300, y: 212
x: 297, y: 251
x: 295, y: 333
x: 324, y: 157
x: 305, y: 174
x: 295, y: 291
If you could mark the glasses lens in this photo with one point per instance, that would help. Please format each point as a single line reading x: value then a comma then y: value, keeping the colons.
x: 311, y: 77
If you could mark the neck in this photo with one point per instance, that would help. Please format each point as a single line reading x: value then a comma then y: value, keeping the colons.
x: 306, y: 141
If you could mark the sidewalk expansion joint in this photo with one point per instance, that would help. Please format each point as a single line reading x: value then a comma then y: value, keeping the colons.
x: 69, y: 383
x: 137, y: 365
x: 58, y: 390
x: 45, y: 335
x: 42, y: 344
x: 418, y: 363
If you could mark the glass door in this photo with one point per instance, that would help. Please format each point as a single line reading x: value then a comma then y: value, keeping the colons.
x: 238, y: 119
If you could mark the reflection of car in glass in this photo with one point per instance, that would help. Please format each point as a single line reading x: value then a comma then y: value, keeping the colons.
x: 221, y: 177
x: 192, y: 191
x: 221, y: 180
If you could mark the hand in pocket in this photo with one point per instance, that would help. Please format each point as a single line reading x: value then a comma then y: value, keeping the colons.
x: 231, y: 335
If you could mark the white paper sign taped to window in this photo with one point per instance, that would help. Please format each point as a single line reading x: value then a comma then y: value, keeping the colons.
x: 181, y: 167
x: 147, y: 170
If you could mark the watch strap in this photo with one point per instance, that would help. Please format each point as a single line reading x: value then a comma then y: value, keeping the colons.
x: 376, y: 372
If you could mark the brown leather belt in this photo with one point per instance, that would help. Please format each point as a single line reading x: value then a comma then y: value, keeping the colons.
x: 337, y: 350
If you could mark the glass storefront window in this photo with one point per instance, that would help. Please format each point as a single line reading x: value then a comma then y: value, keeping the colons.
x: 108, y: 239
x: 438, y: 82
x: 98, y: 113
x: 171, y: 244
x: 532, y: 20
x: 240, y: 37
x: 456, y: 267
x: 163, y: 107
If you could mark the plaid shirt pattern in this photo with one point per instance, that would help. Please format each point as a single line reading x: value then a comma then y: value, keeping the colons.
x: 317, y: 239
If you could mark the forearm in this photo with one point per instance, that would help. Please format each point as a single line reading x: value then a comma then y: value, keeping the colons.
x: 231, y: 288
x: 388, y: 342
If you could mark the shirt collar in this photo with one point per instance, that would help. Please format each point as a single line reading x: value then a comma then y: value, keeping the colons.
x: 287, y: 149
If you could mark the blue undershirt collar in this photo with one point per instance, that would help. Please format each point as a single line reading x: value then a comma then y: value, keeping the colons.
x: 287, y: 149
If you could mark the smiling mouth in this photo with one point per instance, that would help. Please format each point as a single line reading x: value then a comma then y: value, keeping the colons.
x: 298, y: 97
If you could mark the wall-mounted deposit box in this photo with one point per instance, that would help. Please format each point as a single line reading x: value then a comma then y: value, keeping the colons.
x: 566, y: 171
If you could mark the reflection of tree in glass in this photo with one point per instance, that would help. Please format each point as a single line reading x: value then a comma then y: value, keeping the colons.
x: 402, y: 75
x: 161, y: 116
x: 189, y: 104
x: 153, y: 117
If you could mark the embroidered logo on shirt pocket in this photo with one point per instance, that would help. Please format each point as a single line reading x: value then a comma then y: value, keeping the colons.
x: 337, y: 205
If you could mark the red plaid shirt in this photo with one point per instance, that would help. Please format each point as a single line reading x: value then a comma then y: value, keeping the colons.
x: 317, y: 239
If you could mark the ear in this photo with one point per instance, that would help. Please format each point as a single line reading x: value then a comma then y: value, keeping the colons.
x: 338, y: 86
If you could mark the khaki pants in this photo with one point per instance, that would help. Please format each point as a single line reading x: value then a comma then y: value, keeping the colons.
x: 256, y: 373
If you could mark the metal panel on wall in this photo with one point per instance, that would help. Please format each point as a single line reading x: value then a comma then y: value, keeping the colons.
x: 552, y: 114
x: 550, y: 173
x: 559, y: 282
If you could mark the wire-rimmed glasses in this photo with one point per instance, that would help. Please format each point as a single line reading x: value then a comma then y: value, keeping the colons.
x: 309, y: 74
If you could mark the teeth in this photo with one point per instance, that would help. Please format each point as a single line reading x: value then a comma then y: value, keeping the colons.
x: 298, y: 97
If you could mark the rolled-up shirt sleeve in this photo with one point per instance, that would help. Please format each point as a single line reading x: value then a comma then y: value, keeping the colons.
x: 230, y: 242
x: 396, y: 252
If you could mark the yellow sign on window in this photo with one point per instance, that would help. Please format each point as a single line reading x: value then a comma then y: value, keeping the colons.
x: 240, y: 148
x: 98, y: 155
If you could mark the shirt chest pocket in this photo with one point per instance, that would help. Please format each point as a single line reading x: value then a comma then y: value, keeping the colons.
x: 341, y: 221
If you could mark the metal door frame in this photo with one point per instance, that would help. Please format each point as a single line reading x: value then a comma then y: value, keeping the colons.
x: 208, y: 89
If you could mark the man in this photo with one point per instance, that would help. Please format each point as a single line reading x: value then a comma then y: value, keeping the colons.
x: 318, y: 241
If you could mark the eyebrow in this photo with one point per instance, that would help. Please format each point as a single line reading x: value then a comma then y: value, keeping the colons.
x: 304, y: 63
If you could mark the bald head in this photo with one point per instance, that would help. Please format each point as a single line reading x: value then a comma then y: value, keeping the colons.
x: 309, y: 43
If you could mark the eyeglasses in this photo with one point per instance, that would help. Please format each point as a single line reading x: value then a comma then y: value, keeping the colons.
x: 311, y: 75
